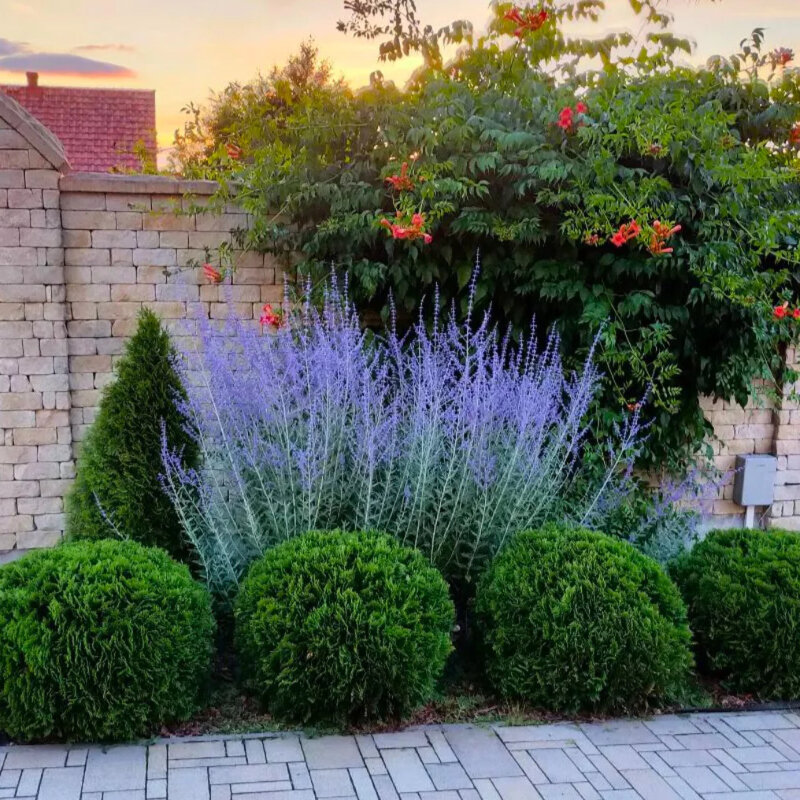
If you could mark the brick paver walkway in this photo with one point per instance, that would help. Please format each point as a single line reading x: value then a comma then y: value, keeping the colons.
x: 747, y: 756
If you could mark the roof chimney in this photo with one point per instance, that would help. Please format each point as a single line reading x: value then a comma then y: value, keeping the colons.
x: 33, y: 79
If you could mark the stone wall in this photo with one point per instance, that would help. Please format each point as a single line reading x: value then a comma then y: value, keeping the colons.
x: 127, y: 241
x: 80, y: 254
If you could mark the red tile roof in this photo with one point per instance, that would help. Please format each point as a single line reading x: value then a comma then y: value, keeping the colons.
x: 100, y: 129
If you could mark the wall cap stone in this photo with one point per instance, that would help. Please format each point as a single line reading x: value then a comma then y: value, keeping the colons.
x: 40, y: 138
x: 134, y: 184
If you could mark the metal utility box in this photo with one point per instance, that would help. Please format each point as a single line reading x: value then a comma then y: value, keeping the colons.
x: 754, y: 482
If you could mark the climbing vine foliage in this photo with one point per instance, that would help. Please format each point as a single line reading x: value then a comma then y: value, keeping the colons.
x: 607, y: 190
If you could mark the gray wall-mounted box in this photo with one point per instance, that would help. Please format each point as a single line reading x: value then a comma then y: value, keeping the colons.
x: 754, y: 482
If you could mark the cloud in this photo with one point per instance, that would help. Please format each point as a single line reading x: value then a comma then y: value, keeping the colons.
x: 64, y: 64
x: 9, y: 48
x: 120, y: 48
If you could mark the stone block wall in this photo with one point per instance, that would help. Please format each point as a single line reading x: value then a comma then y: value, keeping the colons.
x: 127, y: 242
x: 36, y: 462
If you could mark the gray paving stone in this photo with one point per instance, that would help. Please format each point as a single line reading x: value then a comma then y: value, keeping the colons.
x: 92, y: 796
x: 757, y: 721
x: 764, y: 768
x: 285, y: 748
x: 650, y: 785
x: 556, y: 765
x: 445, y: 795
x: 367, y: 747
x: 469, y: 794
x: 578, y: 758
x: 234, y: 748
x: 688, y: 758
x: 685, y: 791
x: 427, y: 755
x: 654, y: 761
x: 115, y: 769
x: 443, y: 750
x: 9, y: 778
x: 196, y: 750
x: 35, y: 756
x: 61, y: 783
x: 671, y: 742
x: 587, y: 791
x: 127, y: 794
x: 723, y: 758
x: 375, y: 766
x: 299, y: 774
x: 409, y: 796
x: 302, y: 794
x: 558, y: 791
x: 671, y: 724
x: 331, y: 782
x: 598, y: 781
x: 220, y: 792
x: 557, y: 732
x: 248, y: 773
x: 734, y: 737
x: 724, y: 774
x: 407, y: 771
x: 157, y: 762
x: 481, y: 752
x: 790, y: 737
x: 703, y: 741
x: 622, y: 731
x: 620, y: 794
x: 384, y: 787
x: 363, y: 784
x: 258, y: 787
x: 29, y: 781
x: 755, y: 755
x: 184, y: 763
x: 530, y: 767
x: 623, y: 756
x: 188, y: 784
x: 400, y: 739
x: 254, y: 750
x: 332, y: 752
x: 156, y: 789
x: 614, y: 778
x: 486, y: 789
x: 753, y: 738
x: 448, y: 776
x: 702, y: 779
x: 742, y: 796
x: 772, y: 780
x: 76, y: 757
x: 515, y: 789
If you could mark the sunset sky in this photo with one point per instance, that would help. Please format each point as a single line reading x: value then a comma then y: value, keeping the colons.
x: 184, y: 48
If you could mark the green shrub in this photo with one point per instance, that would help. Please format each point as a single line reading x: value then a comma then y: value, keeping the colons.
x: 117, y: 490
x: 100, y: 641
x: 574, y: 620
x: 742, y: 591
x: 336, y: 626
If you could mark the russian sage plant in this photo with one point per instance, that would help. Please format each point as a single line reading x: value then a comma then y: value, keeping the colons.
x: 450, y: 437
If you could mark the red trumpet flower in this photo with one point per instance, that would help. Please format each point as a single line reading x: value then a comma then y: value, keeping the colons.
x: 412, y: 230
x: 660, y: 235
x: 401, y: 182
x: 269, y: 317
x: 527, y: 20
x: 626, y: 233
x: 213, y: 275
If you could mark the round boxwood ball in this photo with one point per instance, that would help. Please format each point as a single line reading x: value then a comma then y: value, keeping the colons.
x: 335, y: 626
x: 574, y: 620
x: 742, y: 590
x: 100, y: 641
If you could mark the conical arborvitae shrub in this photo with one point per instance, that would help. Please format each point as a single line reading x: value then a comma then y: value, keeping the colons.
x: 117, y: 491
